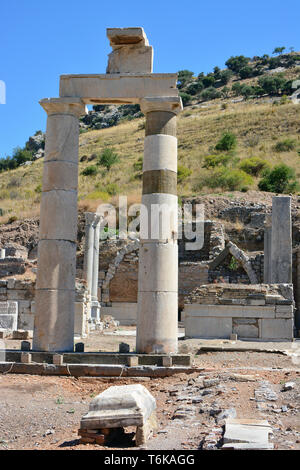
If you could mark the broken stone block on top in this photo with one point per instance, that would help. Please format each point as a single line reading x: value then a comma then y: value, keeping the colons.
x: 131, y: 51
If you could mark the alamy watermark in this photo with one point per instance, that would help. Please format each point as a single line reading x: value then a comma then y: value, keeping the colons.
x: 153, y: 221
x: 2, y: 92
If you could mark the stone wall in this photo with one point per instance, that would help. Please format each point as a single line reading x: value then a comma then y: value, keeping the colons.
x: 261, y: 311
x: 20, y: 294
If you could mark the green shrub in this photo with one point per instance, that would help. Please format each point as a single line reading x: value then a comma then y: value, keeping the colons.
x: 138, y: 166
x: 89, y: 171
x: 272, y: 84
x: 210, y: 93
x: 237, y: 63
x: 38, y: 188
x: 285, y: 145
x: 281, y: 179
x: 211, y: 161
x: 254, y: 165
x: 184, y: 76
x: 112, y: 189
x: 182, y: 173
x: 186, y: 98
x: 108, y: 158
x: 229, y: 179
x: 227, y: 142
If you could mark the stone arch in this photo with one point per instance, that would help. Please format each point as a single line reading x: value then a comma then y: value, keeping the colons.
x: 129, y: 248
x: 240, y: 256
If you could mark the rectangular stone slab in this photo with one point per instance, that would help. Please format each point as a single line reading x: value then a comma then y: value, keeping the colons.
x: 247, y: 432
x: 117, y: 88
x: 119, y: 406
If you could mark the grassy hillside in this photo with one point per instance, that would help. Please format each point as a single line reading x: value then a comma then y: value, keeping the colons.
x: 258, y: 125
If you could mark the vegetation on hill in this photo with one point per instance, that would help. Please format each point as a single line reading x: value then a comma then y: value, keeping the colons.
x: 224, y: 143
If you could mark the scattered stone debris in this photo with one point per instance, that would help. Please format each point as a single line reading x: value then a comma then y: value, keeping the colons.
x: 288, y: 386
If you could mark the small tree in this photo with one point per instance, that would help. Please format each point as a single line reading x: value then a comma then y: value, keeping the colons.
x: 184, y: 76
x: 282, y: 179
x: 278, y: 50
x: 227, y: 142
x: 108, y: 158
x: 237, y: 63
x: 186, y: 98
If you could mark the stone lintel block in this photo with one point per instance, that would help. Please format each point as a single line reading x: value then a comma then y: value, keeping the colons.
x: 279, y: 328
x: 130, y: 59
x: 56, y: 265
x: 125, y: 36
x: 284, y: 311
x: 248, y: 311
x: 119, y: 406
x: 54, y: 331
x: 60, y: 175
x: 158, y: 267
x: 160, y: 152
x: 59, y: 215
x: 207, y: 327
x: 118, y: 88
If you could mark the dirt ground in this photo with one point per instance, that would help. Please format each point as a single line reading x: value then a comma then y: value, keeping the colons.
x: 44, y: 412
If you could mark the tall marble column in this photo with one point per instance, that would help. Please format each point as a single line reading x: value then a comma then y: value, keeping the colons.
x: 157, y: 321
x: 89, y: 250
x: 91, y: 260
x: 55, y: 284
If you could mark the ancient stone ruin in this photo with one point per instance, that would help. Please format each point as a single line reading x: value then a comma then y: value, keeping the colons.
x: 129, y: 79
x: 152, y: 280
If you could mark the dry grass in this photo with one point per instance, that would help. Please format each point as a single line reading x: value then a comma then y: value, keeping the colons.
x: 257, y: 124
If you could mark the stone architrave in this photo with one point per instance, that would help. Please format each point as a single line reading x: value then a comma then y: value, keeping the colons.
x: 158, y: 257
x: 55, y: 284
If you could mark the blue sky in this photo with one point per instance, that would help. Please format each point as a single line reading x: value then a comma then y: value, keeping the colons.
x: 42, y: 39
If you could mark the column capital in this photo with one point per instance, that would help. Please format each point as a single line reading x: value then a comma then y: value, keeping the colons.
x: 92, y: 218
x: 74, y: 106
x: 171, y: 104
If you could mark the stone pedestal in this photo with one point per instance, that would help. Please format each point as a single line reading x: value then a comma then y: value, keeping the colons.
x: 158, y: 257
x: 281, y: 240
x: 55, y: 285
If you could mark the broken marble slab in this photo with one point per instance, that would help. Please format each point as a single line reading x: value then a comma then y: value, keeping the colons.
x: 247, y: 434
x: 120, y: 406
